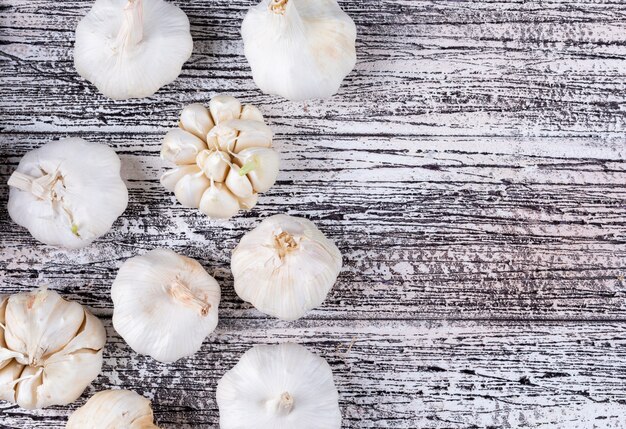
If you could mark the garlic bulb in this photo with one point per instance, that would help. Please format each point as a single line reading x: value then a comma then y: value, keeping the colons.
x: 299, y: 49
x: 279, y: 387
x: 131, y: 48
x: 224, y: 157
x: 50, y: 349
x: 165, y: 304
x: 113, y: 409
x: 285, y: 266
x: 68, y: 192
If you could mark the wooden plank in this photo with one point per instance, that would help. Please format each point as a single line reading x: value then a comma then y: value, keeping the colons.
x: 429, y: 227
x: 398, y: 374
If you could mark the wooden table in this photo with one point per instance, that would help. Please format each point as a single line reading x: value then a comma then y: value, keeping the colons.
x: 472, y: 170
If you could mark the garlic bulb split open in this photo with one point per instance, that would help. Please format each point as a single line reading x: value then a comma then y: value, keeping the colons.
x: 285, y: 266
x: 165, y: 304
x: 113, y: 409
x: 224, y: 157
x: 68, y: 192
x: 131, y: 48
x: 50, y: 349
x: 299, y: 49
x: 279, y: 387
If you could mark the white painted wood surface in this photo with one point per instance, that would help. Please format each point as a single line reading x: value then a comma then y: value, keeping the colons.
x: 472, y: 170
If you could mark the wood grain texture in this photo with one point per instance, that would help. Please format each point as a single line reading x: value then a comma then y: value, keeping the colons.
x: 472, y: 168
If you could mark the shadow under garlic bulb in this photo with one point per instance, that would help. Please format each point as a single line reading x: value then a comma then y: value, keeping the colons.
x: 50, y: 349
x: 281, y: 386
x: 113, y: 409
x: 164, y: 304
x: 223, y: 155
x: 68, y: 192
x: 285, y: 266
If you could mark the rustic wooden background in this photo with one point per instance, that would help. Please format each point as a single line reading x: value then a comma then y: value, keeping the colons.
x: 472, y: 170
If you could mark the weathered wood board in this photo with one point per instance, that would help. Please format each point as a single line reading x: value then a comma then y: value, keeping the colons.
x: 472, y: 170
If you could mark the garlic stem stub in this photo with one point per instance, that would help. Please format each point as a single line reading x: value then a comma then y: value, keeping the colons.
x: 164, y: 304
x: 113, y: 409
x: 223, y: 155
x: 299, y: 49
x: 67, y: 193
x: 279, y: 386
x: 285, y: 266
x: 131, y: 48
x: 50, y: 349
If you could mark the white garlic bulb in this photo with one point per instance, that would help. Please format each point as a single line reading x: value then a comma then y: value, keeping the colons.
x: 223, y: 155
x: 285, y: 266
x: 50, y: 349
x: 68, y: 192
x: 131, y: 48
x: 279, y: 387
x: 164, y: 304
x: 299, y: 49
x: 113, y: 409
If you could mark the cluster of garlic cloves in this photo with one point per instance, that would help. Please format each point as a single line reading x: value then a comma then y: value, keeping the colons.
x: 113, y: 409
x: 131, y: 48
x: 279, y: 386
x: 285, y: 266
x: 164, y: 304
x: 50, y: 349
x: 68, y: 192
x: 299, y: 49
x: 223, y: 155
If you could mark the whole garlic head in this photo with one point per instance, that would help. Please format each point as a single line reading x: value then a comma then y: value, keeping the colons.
x: 68, y: 192
x: 279, y: 387
x: 299, y: 49
x: 113, y: 409
x: 164, y: 304
x: 223, y: 155
x: 131, y: 48
x: 50, y: 349
x: 285, y: 266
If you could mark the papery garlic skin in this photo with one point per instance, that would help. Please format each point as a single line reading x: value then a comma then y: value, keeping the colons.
x: 50, y: 349
x: 285, y: 266
x: 131, y: 48
x: 113, y: 409
x: 68, y: 193
x: 224, y: 169
x: 299, y: 49
x: 165, y: 304
x: 282, y: 386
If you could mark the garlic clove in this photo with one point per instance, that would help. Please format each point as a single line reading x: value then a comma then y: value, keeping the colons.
x: 196, y: 119
x: 238, y: 183
x: 214, y: 164
x: 224, y: 108
x: 250, y: 134
x: 111, y: 409
x: 218, y: 202
x: 170, y: 178
x: 279, y: 386
x: 249, y: 203
x: 189, y: 188
x: 261, y: 165
x: 299, y: 49
x: 165, y: 304
x: 131, y: 49
x: 181, y: 147
x: 222, y: 137
x: 285, y: 245
x: 251, y: 113
x: 56, y: 347
x: 68, y: 192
